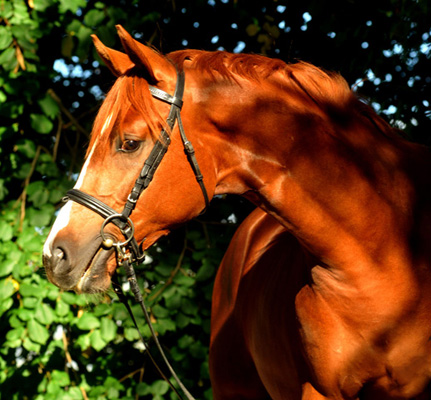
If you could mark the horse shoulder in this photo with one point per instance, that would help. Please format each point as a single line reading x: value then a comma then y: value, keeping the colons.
x: 253, y: 294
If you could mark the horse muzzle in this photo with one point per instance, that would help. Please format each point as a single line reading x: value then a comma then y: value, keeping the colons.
x: 82, y: 270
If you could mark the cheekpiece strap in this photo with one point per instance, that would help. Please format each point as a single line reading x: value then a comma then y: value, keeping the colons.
x: 161, y: 146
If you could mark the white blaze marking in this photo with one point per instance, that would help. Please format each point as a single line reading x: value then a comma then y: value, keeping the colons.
x: 61, y: 222
x: 83, y: 172
x: 63, y: 217
x: 106, y: 124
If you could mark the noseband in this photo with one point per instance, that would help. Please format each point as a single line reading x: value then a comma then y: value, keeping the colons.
x: 129, y: 251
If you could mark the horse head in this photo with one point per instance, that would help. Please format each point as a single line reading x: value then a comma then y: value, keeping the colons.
x: 125, y: 131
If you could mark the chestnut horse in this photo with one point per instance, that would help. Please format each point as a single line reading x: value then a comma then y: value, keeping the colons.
x: 332, y: 301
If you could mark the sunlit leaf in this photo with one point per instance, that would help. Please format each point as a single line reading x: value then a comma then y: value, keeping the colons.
x: 88, y: 322
x: 26, y: 147
x: 15, y: 334
x: 44, y: 314
x: 60, y: 377
x: 108, y: 329
x: 40, y: 123
x: 6, y: 231
x: 37, y: 332
x: 97, y: 341
x: 49, y: 106
x: 5, y: 37
x: 7, y: 289
x: 61, y: 308
x: 71, y: 5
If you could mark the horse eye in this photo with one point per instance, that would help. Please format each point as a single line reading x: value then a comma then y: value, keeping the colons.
x: 130, y: 145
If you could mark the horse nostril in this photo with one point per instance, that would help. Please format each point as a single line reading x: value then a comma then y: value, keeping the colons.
x: 59, y: 254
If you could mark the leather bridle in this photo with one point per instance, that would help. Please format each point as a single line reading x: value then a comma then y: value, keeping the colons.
x: 129, y: 251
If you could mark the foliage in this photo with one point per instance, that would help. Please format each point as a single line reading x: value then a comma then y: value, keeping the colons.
x: 72, y: 347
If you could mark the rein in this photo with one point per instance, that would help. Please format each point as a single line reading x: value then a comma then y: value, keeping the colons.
x: 129, y: 251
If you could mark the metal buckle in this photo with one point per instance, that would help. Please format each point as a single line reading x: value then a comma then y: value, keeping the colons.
x: 128, y: 233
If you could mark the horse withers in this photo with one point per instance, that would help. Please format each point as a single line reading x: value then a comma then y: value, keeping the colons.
x: 351, y: 200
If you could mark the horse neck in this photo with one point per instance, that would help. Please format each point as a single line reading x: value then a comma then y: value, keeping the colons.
x: 345, y: 189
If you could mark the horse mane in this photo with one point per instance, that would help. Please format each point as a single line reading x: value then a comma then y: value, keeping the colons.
x: 319, y: 85
x: 328, y: 90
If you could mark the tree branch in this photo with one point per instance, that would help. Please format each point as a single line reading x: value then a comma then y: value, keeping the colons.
x: 68, y: 113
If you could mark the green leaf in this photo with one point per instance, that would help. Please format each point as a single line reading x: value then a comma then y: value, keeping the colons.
x: 30, y: 302
x: 55, y: 195
x: 102, y: 309
x: 94, y: 18
x: 197, y: 350
x: 5, y: 37
x: 6, y: 10
x: 159, y: 388
x: 44, y: 314
x: 183, y: 280
x: 14, y: 321
x: 206, y: 271
x: 6, y: 267
x: 73, y: 299
x: 88, y: 322
x: 61, y: 378
x: 42, y: 5
x: 108, y: 329
x: 40, y: 123
x: 173, y: 302
x: 3, y: 189
x: 182, y: 320
x: 96, y: 340
x: 165, y: 324
x: 6, y: 231
x: 84, y: 43
x: 83, y: 341
x: 61, y: 308
x: 185, y: 341
x: 27, y: 289
x: 113, y: 387
x: 159, y: 311
x: 7, y: 289
x: 37, y: 332
x: 42, y: 217
x: 49, y: 106
x: 131, y: 334
x: 25, y: 314
x: 26, y: 147
x: 30, y: 240
x: 142, y: 389
x: 29, y: 345
x: 164, y: 270
x: 71, y: 5
x: 15, y: 334
x: 188, y: 307
x: 7, y: 59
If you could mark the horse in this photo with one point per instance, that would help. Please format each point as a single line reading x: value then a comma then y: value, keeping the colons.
x: 327, y: 291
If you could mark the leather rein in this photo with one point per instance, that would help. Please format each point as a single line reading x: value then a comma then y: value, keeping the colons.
x: 129, y: 251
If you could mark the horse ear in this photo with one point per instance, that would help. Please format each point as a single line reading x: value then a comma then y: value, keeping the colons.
x: 117, y: 62
x: 146, y: 58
